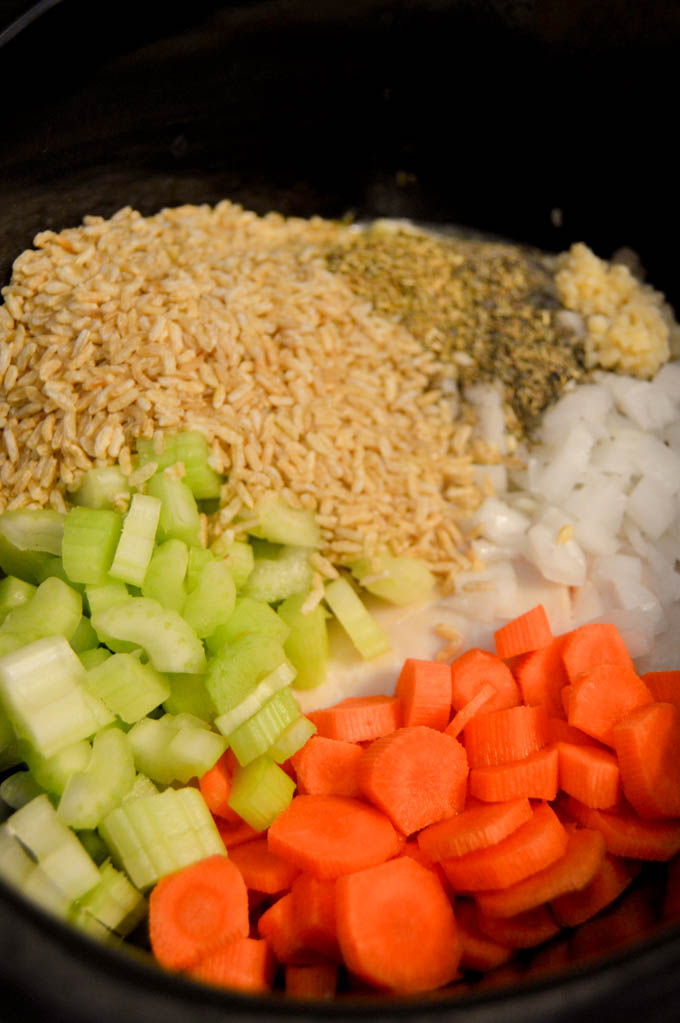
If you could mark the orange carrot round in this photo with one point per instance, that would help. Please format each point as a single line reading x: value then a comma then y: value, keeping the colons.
x: 613, y: 877
x: 525, y: 930
x: 424, y: 693
x: 332, y: 835
x: 647, y: 744
x: 416, y: 776
x: 589, y: 646
x: 261, y: 868
x: 358, y: 718
x: 505, y: 735
x: 245, y: 964
x: 476, y: 668
x: 313, y: 901
x: 603, y: 696
x: 464, y: 716
x: 215, y: 786
x: 534, y: 777
x: 625, y: 834
x: 328, y: 767
x: 476, y: 827
x: 318, y: 982
x: 664, y: 685
x: 396, y: 927
x: 529, y: 631
x: 589, y: 773
x: 196, y: 910
x: 540, y: 675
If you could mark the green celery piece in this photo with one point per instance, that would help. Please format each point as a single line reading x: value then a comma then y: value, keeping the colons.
x: 54, y: 609
x: 191, y: 449
x: 199, y: 557
x: 179, y: 518
x: 24, y: 565
x: 125, y: 845
x: 165, y: 577
x: 33, y: 529
x: 256, y: 698
x: 14, y: 593
x: 84, y: 638
x: 21, y: 871
x: 94, y: 845
x: 279, y: 522
x: 18, y: 789
x: 15, y: 863
x: 239, y: 666
x: 194, y: 751
x: 52, y: 773
x: 212, y: 600
x: 127, y: 687
x: 136, y: 543
x: 254, y: 737
x: 248, y: 616
x: 260, y: 792
x: 398, y: 580
x: 104, y: 486
x: 170, y: 643
x: 93, y: 792
x: 114, y: 902
x: 307, y: 643
x: 55, y: 847
x: 275, y: 578
x: 142, y: 786
x: 238, y: 556
x: 189, y: 694
x: 291, y: 739
x: 94, y: 656
x: 43, y: 692
x: 91, y: 537
x: 175, y: 748
x: 83, y: 921
x: 53, y: 568
x: 363, y: 630
x: 98, y: 599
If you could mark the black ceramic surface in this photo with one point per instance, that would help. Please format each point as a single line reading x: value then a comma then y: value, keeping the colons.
x: 486, y: 113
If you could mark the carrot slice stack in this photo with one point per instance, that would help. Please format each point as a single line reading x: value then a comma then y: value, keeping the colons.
x: 477, y: 826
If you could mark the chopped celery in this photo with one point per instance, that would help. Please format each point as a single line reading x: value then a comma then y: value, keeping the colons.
x: 114, y: 901
x: 363, y: 630
x: 55, y: 608
x: 135, y: 546
x: 94, y: 656
x: 238, y: 667
x: 91, y: 537
x: 398, y: 580
x: 278, y: 679
x: 171, y: 644
x: 188, y: 693
x: 307, y: 643
x: 55, y: 847
x: 191, y: 449
x: 94, y: 845
x: 43, y: 692
x: 238, y: 555
x: 18, y: 789
x: 254, y: 737
x: 99, y: 598
x: 175, y: 748
x: 211, y: 602
x: 104, y: 486
x: 260, y: 792
x: 15, y: 863
x: 291, y: 739
x: 142, y: 786
x: 275, y: 578
x: 52, y: 773
x: 33, y: 529
x: 14, y: 593
x: 179, y: 518
x: 22, y: 564
x: 278, y: 522
x: 21, y: 870
x: 127, y: 687
x: 91, y: 793
x: 248, y: 616
x: 84, y: 638
x: 199, y: 557
x: 165, y: 577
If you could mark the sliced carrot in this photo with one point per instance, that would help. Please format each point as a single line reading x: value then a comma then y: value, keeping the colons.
x: 664, y: 686
x: 278, y: 925
x: 314, y: 907
x: 465, y: 715
x: 505, y: 735
x: 525, y: 930
x: 560, y: 730
x: 416, y: 776
x: 476, y: 668
x: 412, y: 849
x: 480, y: 952
x: 647, y: 744
x: 603, y: 696
x: 626, y: 835
x: 534, y: 777
x: 358, y: 718
x: 590, y: 774
x: 541, y: 676
x: 318, y: 982
x: 531, y: 847
x: 215, y: 786
x: 578, y: 866
x: 236, y: 833
x: 332, y: 835
x: 195, y: 910
x: 529, y: 631
x: 328, y: 767
x: 261, y: 868
x: 424, y: 692
x: 396, y: 927
x: 477, y: 826
x: 671, y: 902
x: 589, y: 646
x: 245, y: 964
x: 613, y: 877
x: 627, y: 921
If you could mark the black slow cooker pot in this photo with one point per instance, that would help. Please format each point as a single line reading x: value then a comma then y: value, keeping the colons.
x: 537, y: 120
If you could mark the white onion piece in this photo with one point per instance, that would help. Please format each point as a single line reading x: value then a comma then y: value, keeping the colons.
x: 499, y: 522
x: 668, y: 379
x: 648, y: 406
x: 559, y: 561
x: 652, y: 507
x: 589, y: 403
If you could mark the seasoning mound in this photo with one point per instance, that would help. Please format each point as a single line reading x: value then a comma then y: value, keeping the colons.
x: 219, y: 320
